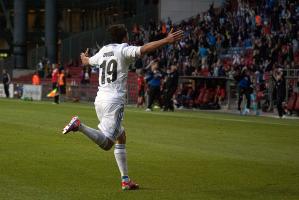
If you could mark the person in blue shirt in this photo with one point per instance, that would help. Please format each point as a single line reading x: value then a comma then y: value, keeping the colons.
x: 244, y: 86
x: 203, y: 52
x: 211, y: 39
x: 153, y: 78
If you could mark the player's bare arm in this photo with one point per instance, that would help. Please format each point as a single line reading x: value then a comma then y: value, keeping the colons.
x: 171, y: 38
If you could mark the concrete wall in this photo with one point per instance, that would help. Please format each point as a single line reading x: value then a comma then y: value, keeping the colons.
x: 178, y: 10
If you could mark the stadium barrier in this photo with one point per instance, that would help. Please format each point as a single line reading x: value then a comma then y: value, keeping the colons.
x: 74, y: 92
x: 32, y: 92
x: 87, y: 93
x: 11, y: 91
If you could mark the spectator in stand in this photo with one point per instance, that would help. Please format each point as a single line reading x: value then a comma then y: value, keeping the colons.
x: 219, y: 96
x: 203, y: 54
x: 196, y: 72
x: 171, y: 84
x: 6, y: 80
x: 153, y: 79
x: 54, y: 80
x: 35, y: 79
x: 187, y: 97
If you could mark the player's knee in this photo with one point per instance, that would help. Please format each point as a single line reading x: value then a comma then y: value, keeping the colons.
x: 107, y: 146
x: 122, y: 138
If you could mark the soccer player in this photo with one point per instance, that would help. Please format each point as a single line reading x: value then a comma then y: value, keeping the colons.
x: 113, y: 61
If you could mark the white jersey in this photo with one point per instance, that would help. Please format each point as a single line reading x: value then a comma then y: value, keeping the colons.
x: 113, y: 61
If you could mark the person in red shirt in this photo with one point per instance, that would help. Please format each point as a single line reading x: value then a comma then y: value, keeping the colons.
x: 140, y: 88
x: 54, y: 80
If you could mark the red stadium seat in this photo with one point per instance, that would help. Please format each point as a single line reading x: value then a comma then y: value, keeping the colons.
x: 207, y: 97
x: 292, y: 102
x: 200, y: 97
x: 297, y: 103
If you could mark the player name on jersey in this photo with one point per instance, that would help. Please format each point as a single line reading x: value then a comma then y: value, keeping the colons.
x: 108, y: 54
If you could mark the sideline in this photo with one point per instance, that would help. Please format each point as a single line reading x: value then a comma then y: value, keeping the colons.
x: 218, y: 118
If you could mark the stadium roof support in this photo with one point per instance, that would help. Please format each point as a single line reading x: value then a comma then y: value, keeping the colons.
x: 51, y: 30
x: 6, y: 15
x: 19, y: 33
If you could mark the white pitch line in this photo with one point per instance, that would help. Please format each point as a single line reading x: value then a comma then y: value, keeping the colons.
x: 211, y: 118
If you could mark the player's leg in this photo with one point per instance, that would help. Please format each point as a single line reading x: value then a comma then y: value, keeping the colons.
x: 120, y: 154
x: 96, y: 136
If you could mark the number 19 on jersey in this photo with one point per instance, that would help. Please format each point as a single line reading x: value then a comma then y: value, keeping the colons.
x: 108, y: 71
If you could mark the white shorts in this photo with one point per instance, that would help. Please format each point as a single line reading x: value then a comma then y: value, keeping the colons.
x: 110, y: 116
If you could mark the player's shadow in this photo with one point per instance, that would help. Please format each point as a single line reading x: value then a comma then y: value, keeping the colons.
x: 141, y: 188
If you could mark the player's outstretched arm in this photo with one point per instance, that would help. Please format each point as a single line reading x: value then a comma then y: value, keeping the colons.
x: 152, y: 46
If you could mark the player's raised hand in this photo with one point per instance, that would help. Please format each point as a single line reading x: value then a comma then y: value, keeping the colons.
x: 174, y: 36
x: 84, y: 57
x: 171, y: 38
x: 86, y: 52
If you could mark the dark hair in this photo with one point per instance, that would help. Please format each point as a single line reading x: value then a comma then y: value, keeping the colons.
x: 117, y: 33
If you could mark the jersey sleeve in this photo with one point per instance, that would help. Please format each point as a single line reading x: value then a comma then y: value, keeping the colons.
x: 94, y: 60
x: 131, y: 52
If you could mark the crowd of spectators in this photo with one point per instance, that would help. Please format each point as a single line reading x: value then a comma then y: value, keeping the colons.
x: 259, y: 36
x: 269, y: 28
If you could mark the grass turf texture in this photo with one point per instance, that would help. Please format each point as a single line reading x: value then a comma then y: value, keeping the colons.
x: 181, y: 155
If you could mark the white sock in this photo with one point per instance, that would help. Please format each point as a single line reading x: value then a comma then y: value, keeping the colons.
x: 120, y: 154
x: 95, y: 135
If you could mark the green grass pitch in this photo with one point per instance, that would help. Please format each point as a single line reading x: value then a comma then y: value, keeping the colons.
x: 181, y: 155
